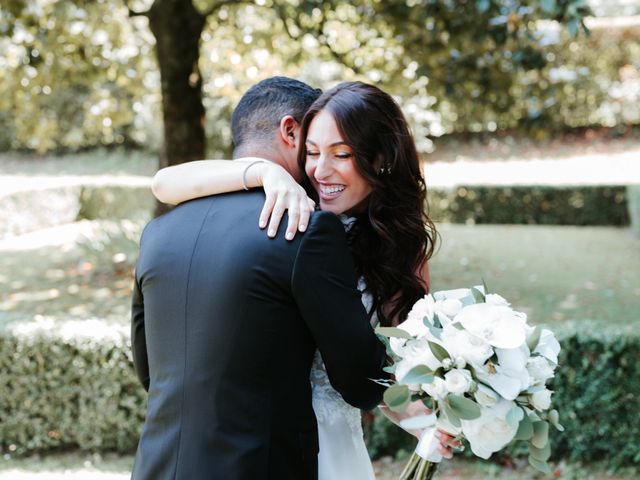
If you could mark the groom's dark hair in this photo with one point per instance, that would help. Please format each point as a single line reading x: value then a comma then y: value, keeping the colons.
x: 260, y: 110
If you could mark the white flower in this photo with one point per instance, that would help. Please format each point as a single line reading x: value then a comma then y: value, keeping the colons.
x: 460, y: 343
x: 498, y: 325
x: 458, y: 381
x: 510, y: 377
x: 414, y: 324
x: 490, y: 432
x: 548, y: 346
x: 541, y: 400
x: 495, y: 299
x: 485, y: 396
x: 449, y: 307
x: 539, y: 369
x: 463, y: 295
x: 414, y: 353
x: 437, y: 389
x: 460, y: 362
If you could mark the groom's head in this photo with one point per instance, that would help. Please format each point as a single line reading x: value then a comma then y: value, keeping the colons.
x: 266, y: 122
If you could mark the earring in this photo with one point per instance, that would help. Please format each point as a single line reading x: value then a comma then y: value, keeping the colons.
x: 386, y: 169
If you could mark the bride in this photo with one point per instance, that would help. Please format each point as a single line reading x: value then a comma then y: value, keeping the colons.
x: 359, y: 162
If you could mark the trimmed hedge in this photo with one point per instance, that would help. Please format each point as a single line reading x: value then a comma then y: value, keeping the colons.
x: 62, y: 390
x: 597, y: 392
x: 530, y: 205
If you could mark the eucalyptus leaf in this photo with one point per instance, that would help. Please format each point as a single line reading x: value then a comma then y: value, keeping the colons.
x: 397, y: 397
x: 539, y: 465
x: 418, y: 374
x: 541, y: 454
x: 436, y: 321
x: 393, y: 332
x: 452, y: 417
x: 436, y: 332
x: 514, y: 416
x: 554, y: 419
x: 438, y: 351
x: 463, y: 407
x: 525, y: 429
x: 534, y: 338
x: 478, y: 296
x: 486, y: 289
x: 540, y: 434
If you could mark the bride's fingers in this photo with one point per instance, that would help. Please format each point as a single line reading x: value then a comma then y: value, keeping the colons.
x: 312, y: 204
x: 269, y: 202
x: 292, y: 227
x: 276, y: 216
x: 445, y: 452
x: 305, y: 213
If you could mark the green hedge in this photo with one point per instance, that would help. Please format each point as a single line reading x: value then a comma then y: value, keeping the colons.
x: 61, y: 391
x: 530, y: 205
x: 597, y: 392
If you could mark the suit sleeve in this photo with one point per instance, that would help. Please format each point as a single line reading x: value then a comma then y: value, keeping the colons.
x: 324, y: 287
x: 138, y: 340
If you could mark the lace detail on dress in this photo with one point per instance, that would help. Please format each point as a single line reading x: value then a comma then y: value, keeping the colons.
x: 328, y: 404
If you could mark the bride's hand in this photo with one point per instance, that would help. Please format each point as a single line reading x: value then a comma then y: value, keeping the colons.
x: 283, y: 193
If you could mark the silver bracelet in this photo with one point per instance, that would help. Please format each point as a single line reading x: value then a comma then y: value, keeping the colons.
x: 244, y: 174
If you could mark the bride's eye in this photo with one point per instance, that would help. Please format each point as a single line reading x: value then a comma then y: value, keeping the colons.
x: 344, y: 155
x: 312, y: 153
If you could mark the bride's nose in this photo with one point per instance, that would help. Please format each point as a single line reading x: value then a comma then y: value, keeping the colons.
x: 324, y: 167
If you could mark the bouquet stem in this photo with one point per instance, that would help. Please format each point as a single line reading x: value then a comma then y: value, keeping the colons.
x: 418, y: 469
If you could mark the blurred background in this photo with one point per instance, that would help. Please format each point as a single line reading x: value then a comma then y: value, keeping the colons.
x: 527, y: 118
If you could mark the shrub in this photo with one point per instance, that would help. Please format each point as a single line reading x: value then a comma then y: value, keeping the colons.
x: 530, y: 205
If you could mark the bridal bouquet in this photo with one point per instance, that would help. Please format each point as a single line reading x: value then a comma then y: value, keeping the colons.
x: 481, y: 369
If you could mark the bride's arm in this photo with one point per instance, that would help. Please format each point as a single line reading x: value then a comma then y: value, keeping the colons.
x: 179, y: 183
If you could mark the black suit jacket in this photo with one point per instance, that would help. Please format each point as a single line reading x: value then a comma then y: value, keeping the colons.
x: 225, y: 322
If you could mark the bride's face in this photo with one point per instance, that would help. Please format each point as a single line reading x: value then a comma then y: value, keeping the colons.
x: 331, y: 167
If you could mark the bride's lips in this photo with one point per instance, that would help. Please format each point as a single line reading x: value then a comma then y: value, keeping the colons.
x: 330, y: 191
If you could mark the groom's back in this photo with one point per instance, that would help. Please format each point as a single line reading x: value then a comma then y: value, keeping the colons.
x: 228, y: 352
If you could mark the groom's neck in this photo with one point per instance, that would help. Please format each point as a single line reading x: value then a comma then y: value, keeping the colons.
x: 260, y: 151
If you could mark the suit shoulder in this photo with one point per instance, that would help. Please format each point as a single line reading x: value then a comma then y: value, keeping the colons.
x: 321, y: 220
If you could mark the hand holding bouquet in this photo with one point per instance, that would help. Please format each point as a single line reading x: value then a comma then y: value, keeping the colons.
x: 482, y: 370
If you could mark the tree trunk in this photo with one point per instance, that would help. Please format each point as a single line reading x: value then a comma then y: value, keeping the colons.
x: 177, y: 27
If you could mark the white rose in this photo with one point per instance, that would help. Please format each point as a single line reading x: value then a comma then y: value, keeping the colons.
x: 437, y: 389
x: 485, y: 396
x: 449, y: 307
x: 490, y: 432
x: 541, y: 400
x: 458, y: 381
x: 460, y: 343
x: 498, y: 325
x: 414, y: 353
x: 548, y: 346
x: 495, y: 299
x: 539, y: 369
x: 414, y: 324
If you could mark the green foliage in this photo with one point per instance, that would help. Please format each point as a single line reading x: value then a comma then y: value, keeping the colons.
x: 597, y: 395
x: 59, y: 393
x: 530, y: 205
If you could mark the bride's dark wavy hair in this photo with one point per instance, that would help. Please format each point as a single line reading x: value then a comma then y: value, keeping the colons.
x: 393, y: 237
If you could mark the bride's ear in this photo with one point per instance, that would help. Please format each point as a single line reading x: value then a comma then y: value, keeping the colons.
x: 289, y: 129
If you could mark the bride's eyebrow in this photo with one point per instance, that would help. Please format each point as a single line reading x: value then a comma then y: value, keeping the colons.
x: 334, y: 144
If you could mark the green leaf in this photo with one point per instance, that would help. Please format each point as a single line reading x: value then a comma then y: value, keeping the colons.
x: 572, y: 25
x: 534, y: 338
x: 486, y: 289
x: 548, y: 6
x: 393, y: 332
x: 482, y: 5
x: 436, y: 321
x: 418, y: 374
x: 540, y: 434
x: 539, y: 465
x: 525, y: 429
x: 554, y: 418
x: 436, y: 332
x: 452, y: 417
x: 478, y: 296
x: 514, y: 416
x: 541, y: 454
x: 463, y: 407
x: 397, y: 397
x: 438, y: 351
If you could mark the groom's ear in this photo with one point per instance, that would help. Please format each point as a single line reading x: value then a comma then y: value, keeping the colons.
x: 289, y: 129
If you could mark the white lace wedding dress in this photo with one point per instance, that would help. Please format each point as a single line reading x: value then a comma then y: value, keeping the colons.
x: 343, y: 454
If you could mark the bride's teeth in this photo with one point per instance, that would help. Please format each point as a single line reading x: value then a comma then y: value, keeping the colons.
x: 330, y: 190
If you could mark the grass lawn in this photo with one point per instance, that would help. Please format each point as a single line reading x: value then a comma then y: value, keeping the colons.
x: 76, y: 466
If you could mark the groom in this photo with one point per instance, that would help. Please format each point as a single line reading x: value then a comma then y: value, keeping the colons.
x: 225, y: 322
